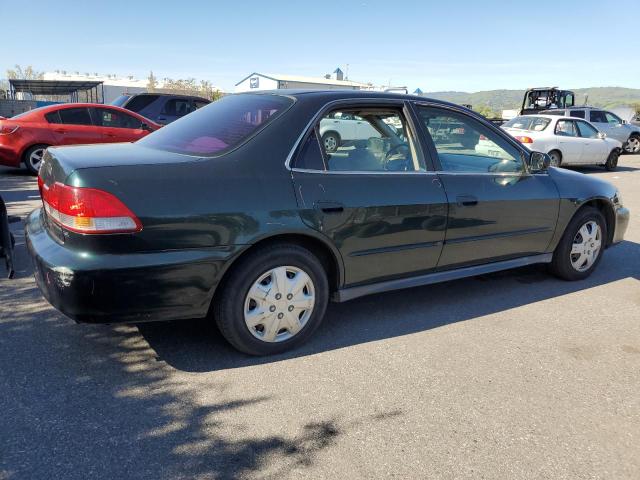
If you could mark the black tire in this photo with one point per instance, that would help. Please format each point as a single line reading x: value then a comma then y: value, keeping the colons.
x: 561, y: 265
x: 330, y: 141
x: 556, y: 158
x: 229, y: 303
x: 27, y: 158
x: 612, y: 161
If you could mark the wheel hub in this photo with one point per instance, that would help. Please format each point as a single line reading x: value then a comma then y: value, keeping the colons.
x: 586, y: 246
x: 279, y: 304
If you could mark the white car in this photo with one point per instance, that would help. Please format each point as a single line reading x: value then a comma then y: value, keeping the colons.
x: 341, y: 127
x: 567, y: 140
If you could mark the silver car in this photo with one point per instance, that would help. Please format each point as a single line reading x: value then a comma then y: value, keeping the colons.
x: 607, y: 122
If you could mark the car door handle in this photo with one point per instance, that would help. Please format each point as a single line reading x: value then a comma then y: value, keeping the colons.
x: 466, y: 200
x: 330, y: 207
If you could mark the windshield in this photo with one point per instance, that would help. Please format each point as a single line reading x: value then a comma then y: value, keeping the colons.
x: 218, y: 127
x: 118, y: 102
x: 528, y: 122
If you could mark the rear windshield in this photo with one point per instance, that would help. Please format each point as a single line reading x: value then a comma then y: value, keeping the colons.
x: 118, y: 102
x: 218, y: 127
x: 535, y: 124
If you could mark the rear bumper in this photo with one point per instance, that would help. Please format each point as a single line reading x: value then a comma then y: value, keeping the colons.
x: 136, y: 287
x: 622, y: 222
x: 9, y: 156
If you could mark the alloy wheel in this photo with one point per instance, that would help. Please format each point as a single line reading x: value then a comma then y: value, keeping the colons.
x: 279, y: 304
x: 633, y: 145
x: 35, y: 159
x: 586, y: 246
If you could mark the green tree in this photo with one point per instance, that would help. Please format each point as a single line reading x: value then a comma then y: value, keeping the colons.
x: 152, y: 82
x: 27, y: 73
x: 486, y: 111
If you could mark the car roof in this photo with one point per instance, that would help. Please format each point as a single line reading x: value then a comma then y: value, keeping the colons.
x: 342, y: 94
x: 163, y: 94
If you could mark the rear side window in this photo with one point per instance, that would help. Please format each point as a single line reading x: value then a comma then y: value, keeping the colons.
x: 310, y: 157
x: 566, y: 128
x: 75, y: 116
x: 220, y: 126
x: 598, y: 116
x: 140, y: 102
x: 53, y: 117
x: 576, y: 113
x: 200, y: 103
x: 106, y: 117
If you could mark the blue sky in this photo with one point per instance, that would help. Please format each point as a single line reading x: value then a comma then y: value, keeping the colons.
x: 444, y: 45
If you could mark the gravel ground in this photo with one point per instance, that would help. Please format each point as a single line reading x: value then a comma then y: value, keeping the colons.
x: 509, y: 375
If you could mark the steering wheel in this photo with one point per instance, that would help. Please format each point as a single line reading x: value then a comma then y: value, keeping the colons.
x: 401, y: 163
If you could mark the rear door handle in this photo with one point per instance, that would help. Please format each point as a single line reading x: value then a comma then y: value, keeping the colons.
x: 330, y: 207
x: 466, y: 200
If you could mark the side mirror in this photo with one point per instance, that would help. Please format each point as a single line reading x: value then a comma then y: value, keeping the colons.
x: 624, y: 122
x: 146, y: 127
x: 539, y: 162
x: 602, y: 135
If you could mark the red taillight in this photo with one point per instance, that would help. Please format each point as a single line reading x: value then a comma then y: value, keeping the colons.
x: 524, y: 139
x: 87, y: 210
x: 8, y: 129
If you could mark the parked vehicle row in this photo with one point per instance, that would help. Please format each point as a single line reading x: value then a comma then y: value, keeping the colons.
x: 568, y: 141
x: 240, y: 213
x: 607, y: 122
x: 25, y: 137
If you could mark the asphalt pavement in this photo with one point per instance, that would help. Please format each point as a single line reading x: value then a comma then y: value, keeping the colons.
x: 514, y: 375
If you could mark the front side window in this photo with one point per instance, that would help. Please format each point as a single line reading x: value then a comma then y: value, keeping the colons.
x: 566, y: 128
x: 576, y: 113
x: 219, y: 127
x: 598, y: 116
x: 366, y: 140
x: 465, y: 145
x: 177, y: 107
x: 612, y: 119
x: 586, y: 130
x: 75, y: 116
x: 106, y: 117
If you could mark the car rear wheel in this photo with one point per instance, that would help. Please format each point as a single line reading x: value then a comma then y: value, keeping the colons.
x: 581, y: 246
x: 612, y: 161
x: 331, y: 141
x: 273, y: 300
x: 556, y: 158
x: 33, y: 158
x: 633, y: 144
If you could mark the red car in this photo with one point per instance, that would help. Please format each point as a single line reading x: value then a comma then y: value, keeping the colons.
x: 24, y: 138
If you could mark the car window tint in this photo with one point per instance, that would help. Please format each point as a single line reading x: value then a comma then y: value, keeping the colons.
x: 53, y: 117
x: 576, y: 113
x: 598, y: 116
x: 310, y: 156
x: 612, y: 119
x: 220, y: 127
x: 200, y: 103
x: 528, y: 122
x: 106, y: 117
x: 465, y: 145
x: 586, y: 130
x: 140, y: 102
x: 177, y: 107
x: 566, y: 128
x: 75, y: 116
x: 367, y: 140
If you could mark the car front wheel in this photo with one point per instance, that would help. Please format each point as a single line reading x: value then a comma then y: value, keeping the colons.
x: 273, y: 300
x: 612, y: 161
x: 581, y: 246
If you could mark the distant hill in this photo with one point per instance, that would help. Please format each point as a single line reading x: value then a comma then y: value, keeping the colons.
x: 498, y: 100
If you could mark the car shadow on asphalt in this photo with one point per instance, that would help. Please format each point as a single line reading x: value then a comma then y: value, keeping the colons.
x: 183, y: 345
